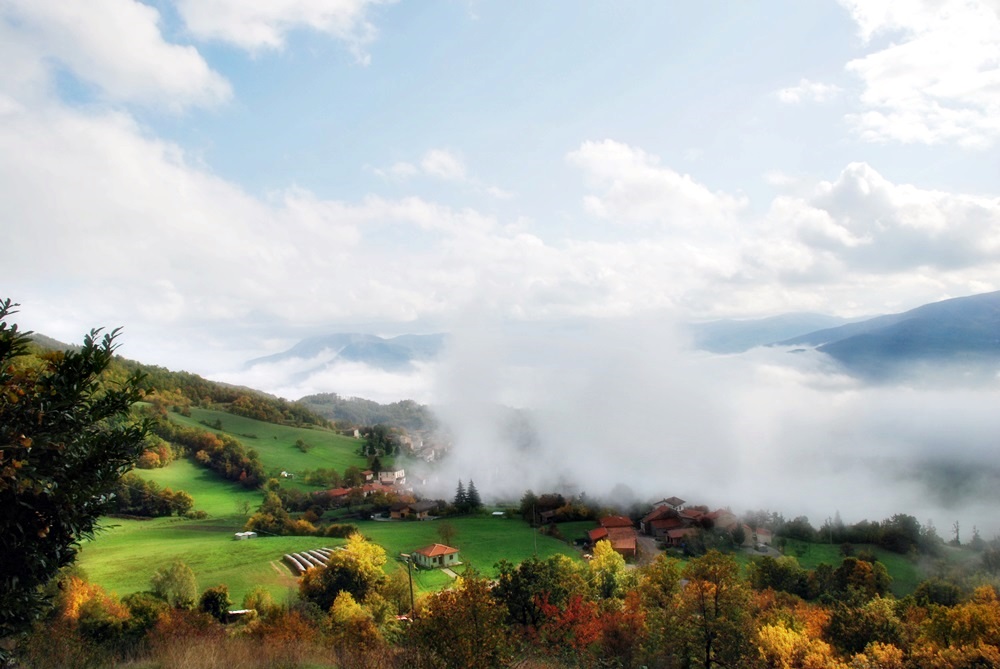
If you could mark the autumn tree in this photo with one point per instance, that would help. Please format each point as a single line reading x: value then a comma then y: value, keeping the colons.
x: 608, y: 576
x: 65, y: 440
x: 463, y: 627
x: 716, y: 602
x: 357, y: 569
x: 528, y: 588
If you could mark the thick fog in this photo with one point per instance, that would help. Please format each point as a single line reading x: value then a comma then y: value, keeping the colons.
x: 628, y: 410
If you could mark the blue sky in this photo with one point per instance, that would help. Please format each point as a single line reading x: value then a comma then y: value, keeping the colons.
x: 222, y: 177
x: 555, y: 182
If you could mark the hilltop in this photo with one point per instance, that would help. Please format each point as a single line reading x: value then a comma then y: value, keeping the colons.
x: 963, y: 330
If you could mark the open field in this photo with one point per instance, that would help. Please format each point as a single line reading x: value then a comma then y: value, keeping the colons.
x: 483, y: 541
x: 124, y: 558
x: 126, y: 553
x: 275, y: 444
x: 212, y: 494
x: 904, y: 572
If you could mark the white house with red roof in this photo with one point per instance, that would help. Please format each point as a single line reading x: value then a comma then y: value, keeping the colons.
x: 436, y: 555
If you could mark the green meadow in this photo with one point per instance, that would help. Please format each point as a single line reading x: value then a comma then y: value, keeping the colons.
x: 212, y: 494
x: 482, y: 542
x: 124, y: 557
x: 126, y: 553
x: 275, y: 444
x: 905, y: 572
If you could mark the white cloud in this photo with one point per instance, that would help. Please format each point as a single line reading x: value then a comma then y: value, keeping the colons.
x: 871, y: 224
x: 115, y: 45
x: 444, y: 165
x: 938, y: 81
x: 636, y: 189
x: 253, y: 25
x: 808, y: 91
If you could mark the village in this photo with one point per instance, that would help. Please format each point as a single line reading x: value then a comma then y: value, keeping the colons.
x: 670, y: 524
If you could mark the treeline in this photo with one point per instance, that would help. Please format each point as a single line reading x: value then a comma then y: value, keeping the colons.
x: 557, y: 613
x: 221, y: 453
x: 353, y: 411
x: 135, y: 496
x: 901, y: 533
x: 272, y: 517
x: 178, y: 391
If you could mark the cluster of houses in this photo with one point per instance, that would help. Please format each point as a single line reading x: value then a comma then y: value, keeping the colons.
x: 388, y: 481
x: 672, y: 524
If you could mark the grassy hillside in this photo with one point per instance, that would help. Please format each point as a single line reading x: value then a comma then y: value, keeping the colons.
x: 126, y: 553
x: 276, y: 443
x: 212, y: 494
x: 904, y: 572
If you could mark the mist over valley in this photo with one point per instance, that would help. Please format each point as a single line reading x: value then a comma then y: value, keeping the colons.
x: 629, y: 410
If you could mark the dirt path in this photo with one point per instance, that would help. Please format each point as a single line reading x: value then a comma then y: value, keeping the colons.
x: 647, y: 550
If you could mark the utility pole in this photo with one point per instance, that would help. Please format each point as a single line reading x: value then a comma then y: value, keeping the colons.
x: 409, y: 573
x: 534, y: 529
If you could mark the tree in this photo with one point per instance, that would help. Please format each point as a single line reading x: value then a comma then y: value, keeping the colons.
x: 357, y: 569
x: 176, y: 585
x: 215, y: 602
x: 463, y: 627
x: 717, y: 603
x: 461, y: 497
x: 608, y: 576
x: 379, y: 440
x: 447, y: 532
x: 65, y: 440
x: 472, y: 500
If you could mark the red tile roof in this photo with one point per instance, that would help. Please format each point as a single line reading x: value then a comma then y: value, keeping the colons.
x: 616, y: 521
x: 435, y: 550
x: 657, y: 513
x: 597, y: 534
x: 622, y: 539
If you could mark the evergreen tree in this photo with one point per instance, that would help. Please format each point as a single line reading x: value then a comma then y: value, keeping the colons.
x: 461, y: 497
x: 472, y: 499
x: 65, y: 440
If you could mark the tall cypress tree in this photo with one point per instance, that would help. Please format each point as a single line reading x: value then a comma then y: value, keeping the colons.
x: 472, y: 500
x: 461, y: 497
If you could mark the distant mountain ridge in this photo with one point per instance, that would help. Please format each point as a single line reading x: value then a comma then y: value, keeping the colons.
x: 392, y: 354
x: 962, y: 329
x: 736, y: 336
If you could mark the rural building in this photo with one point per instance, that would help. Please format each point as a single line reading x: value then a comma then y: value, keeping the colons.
x: 619, y: 532
x: 675, y: 503
x: 418, y: 510
x: 436, y: 555
x: 759, y: 537
x: 677, y: 538
x: 722, y: 519
x: 392, y: 476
